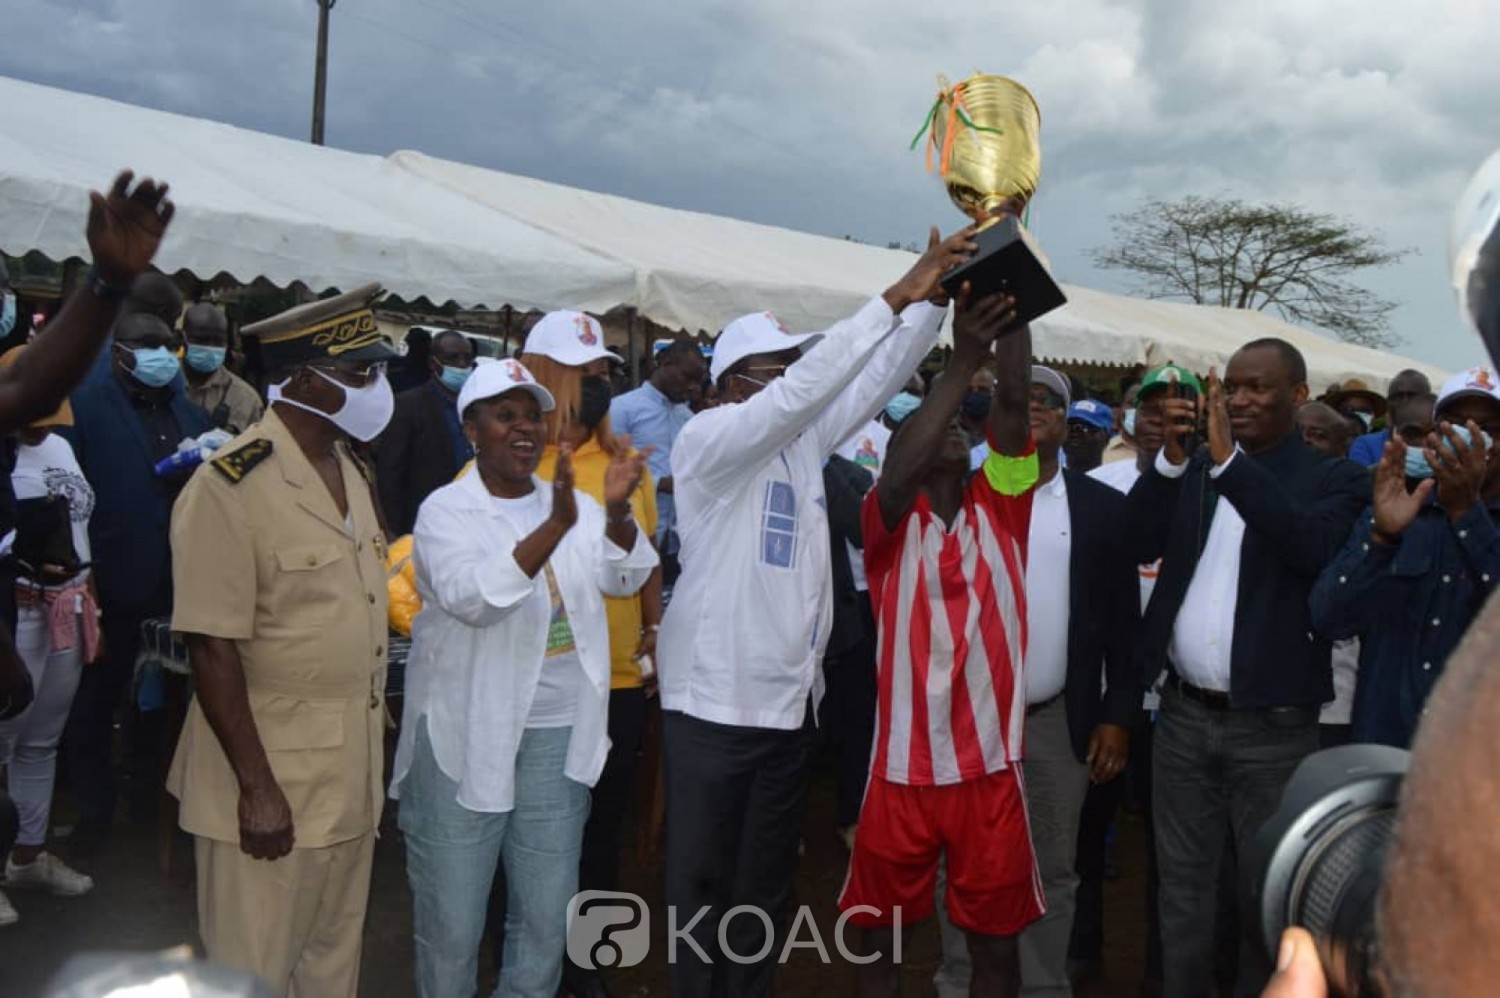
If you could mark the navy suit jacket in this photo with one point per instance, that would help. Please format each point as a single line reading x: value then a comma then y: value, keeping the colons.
x: 1298, y: 507
x: 132, y: 518
x: 1104, y: 596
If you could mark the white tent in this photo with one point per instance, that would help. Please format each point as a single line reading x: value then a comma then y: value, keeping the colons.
x: 255, y: 205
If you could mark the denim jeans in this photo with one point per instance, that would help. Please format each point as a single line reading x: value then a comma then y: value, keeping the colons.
x: 1215, y: 771
x: 451, y: 856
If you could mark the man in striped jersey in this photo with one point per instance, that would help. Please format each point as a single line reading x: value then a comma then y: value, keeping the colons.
x: 945, y: 556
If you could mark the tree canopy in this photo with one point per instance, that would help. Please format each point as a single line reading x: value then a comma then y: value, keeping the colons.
x: 1278, y: 257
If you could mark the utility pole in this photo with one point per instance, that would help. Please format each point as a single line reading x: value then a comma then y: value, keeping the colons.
x: 320, y: 73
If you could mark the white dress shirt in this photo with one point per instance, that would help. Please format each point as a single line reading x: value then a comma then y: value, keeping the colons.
x: 1203, y: 634
x: 1049, y: 552
x: 749, y: 618
x: 477, y: 646
x: 1340, y: 709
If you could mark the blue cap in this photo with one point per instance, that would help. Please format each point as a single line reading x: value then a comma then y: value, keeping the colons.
x: 1093, y: 413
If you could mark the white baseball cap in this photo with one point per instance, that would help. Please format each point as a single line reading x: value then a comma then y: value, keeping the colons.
x: 758, y: 332
x: 1046, y: 376
x: 1478, y: 381
x: 496, y: 377
x: 570, y: 338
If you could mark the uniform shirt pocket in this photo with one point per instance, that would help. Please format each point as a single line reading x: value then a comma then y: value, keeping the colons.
x: 314, y: 584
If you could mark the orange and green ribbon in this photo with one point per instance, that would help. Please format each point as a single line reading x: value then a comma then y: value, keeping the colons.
x: 957, y: 114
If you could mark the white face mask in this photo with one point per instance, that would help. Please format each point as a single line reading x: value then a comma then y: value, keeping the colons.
x: 365, y: 411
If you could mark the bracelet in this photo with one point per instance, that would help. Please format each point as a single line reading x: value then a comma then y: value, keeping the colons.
x: 650, y: 628
x: 102, y: 289
x: 620, y: 520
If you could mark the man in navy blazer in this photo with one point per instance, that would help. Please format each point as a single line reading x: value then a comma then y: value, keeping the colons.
x: 1243, y: 529
x: 124, y: 422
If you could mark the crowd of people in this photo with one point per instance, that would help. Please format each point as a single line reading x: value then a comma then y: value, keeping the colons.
x: 1009, y: 608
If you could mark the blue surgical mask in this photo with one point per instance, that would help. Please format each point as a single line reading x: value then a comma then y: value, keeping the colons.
x: 1416, y: 464
x: 205, y: 360
x: 1129, y: 422
x: 7, y: 314
x: 155, y: 367
x: 453, y: 378
x: 903, y: 405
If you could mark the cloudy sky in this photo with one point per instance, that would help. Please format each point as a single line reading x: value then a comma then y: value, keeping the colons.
x: 798, y: 113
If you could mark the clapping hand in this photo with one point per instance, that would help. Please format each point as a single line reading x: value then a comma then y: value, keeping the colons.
x: 1459, y: 468
x: 564, y: 504
x: 625, y: 471
x: 126, y: 226
x: 1394, y: 508
x: 978, y: 323
x: 1220, y: 439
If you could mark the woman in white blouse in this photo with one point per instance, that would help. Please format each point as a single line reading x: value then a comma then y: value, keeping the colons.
x: 504, y: 728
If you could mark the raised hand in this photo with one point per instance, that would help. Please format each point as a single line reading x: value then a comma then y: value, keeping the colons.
x: 923, y: 282
x: 1459, y: 468
x: 625, y: 471
x: 126, y: 226
x: 1395, y: 509
x: 1179, y: 420
x: 564, y: 504
x: 1220, y: 439
x: 977, y: 324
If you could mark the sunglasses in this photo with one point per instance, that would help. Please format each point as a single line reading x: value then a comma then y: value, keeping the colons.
x: 1047, y: 399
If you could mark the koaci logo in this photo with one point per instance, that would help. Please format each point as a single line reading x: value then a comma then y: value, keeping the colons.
x: 608, y: 930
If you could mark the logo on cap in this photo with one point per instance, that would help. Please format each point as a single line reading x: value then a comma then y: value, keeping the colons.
x: 515, y: 370
x: 779, y: 324
x: 1480, y: 377
x: 586, y: 334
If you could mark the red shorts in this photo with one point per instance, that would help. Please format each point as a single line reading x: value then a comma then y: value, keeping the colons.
x: 994, y: 887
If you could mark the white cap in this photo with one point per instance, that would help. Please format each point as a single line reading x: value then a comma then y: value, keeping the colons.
x: 758, y: 332
x: 570, y: 338
x: 1478, y: 381
x: 496, y: 377
x: 1046, y: 376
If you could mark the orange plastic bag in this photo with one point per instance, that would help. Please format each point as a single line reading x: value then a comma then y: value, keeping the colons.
x: 401, y: 585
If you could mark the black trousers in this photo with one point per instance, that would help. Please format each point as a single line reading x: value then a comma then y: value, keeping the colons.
x: 735, y: 803
x: 88, y: 739
x: 847, y: 717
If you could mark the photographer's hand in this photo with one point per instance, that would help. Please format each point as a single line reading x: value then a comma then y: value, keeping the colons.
x: 1299, y: 972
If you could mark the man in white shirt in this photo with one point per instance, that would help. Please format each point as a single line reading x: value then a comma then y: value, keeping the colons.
x: 1243, y: 531
x: 741, y: 642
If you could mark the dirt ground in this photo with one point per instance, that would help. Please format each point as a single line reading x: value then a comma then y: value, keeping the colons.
x: 135, y: 906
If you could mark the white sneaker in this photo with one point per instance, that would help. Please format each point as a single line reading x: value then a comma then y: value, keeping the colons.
x: 8, y: 914
x: 49, y: 873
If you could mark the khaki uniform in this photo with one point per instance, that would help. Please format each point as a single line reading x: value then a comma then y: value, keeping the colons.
x: 262, y: 557
x: 243, y: 406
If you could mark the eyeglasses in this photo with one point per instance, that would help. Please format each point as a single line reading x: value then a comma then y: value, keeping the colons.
x: 772, y: 373
x: 353, y: 373
x: 1047, y: 399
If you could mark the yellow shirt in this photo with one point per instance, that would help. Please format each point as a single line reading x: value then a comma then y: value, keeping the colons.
x: 590, y: 463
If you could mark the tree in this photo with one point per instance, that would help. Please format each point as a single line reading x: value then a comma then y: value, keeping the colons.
x: 1277, y: 257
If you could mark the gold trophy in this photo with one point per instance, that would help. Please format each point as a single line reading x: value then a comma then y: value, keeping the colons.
x: 985, y: 135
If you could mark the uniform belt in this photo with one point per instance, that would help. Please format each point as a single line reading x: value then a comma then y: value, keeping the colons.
x: 1037, y: 708
x: 1212, y: 699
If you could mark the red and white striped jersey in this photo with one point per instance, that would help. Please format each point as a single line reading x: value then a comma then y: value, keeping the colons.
x: 950, y: 613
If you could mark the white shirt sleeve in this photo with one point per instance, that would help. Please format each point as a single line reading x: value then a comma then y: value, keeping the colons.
x: 722, y: 443
x: 1166, y: 468
x: 1219, y: 469
x: 881, y: 377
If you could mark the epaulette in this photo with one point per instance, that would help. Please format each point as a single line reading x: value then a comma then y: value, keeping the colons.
x: 242, y: 460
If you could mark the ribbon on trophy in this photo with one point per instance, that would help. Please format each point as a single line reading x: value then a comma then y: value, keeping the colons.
x: 958, y: 113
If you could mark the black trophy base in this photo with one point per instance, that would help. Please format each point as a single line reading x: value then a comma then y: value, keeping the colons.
x: 1006, y: 262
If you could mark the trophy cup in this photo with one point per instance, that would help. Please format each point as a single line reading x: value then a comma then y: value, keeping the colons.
x: 985, y: 132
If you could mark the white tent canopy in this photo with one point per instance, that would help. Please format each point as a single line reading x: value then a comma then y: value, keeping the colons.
x: 253, y: 205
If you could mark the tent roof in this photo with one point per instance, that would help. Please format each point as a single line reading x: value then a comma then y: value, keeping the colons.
x: 254, y: 205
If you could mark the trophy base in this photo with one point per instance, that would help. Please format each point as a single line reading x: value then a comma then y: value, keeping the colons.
x: 1006, y: 261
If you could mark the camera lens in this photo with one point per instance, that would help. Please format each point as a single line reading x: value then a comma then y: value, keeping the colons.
x: 1318, y: 861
